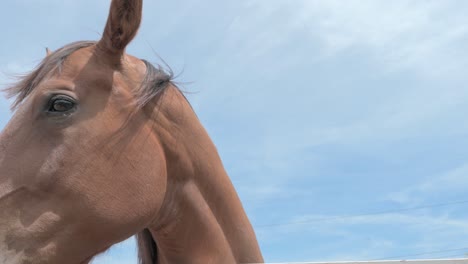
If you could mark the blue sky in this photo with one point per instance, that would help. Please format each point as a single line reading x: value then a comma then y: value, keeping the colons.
x: 320, y: 109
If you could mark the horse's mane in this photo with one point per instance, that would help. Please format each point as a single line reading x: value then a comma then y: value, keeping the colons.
x: 147, y: 248
x: 155, y: 81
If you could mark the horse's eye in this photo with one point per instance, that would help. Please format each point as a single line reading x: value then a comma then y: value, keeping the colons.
x: 61, y: 104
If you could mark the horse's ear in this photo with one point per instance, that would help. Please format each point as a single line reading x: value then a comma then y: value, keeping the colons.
x: 122, y: 25
x: 48, y: 52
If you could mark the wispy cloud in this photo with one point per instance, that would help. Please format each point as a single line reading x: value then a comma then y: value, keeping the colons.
x: 356, y: 77
x: 334, y: 238
x: 400, y: 35
x: 451, y: 183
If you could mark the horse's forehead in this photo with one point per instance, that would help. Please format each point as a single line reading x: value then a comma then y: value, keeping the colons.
x: 79, y: 60
x: 87, y: 61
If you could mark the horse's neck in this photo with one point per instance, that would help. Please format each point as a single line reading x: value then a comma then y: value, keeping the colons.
x: 202, y: 218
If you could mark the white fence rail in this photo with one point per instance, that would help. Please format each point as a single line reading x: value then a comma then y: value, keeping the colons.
x: 422, y: 261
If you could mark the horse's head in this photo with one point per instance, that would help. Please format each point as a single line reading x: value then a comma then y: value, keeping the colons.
x: 80, y: 168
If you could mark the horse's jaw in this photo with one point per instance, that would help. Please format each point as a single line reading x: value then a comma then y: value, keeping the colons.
x: 7, y: 255
x: 26, y: 235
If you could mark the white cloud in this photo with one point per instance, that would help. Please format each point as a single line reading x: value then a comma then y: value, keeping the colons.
x: 400, y: 35
x: 452, y: 182
x: 391, y: 235
x: 421, y: 37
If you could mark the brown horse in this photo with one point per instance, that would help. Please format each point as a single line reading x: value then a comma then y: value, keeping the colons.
x: 103, y: 146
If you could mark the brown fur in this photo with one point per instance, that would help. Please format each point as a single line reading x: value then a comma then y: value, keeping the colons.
x: 130, y: 157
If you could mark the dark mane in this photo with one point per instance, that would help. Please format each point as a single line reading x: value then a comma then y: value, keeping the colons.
x: 147, y: 248
x: 155, y: 81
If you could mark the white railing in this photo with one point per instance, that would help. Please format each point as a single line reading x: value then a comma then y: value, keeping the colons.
x: 419, y: 261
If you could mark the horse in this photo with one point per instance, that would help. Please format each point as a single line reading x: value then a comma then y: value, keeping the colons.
x: 103, y: 146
